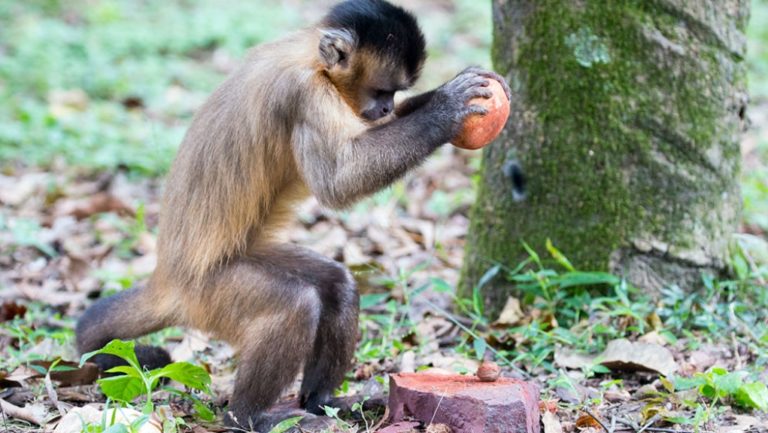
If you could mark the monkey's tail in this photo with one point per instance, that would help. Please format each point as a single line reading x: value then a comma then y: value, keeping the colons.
x: 126, y: 315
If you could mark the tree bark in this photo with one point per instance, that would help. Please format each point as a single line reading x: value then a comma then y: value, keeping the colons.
x: 625, y: 125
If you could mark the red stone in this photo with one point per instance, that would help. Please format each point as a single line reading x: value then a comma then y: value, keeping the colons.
x: 400, y: 427
x: 477, y: 130
x: 464, y: 403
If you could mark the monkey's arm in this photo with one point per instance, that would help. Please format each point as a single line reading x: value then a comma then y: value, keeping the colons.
x: 340, y: 170
x: 413, y: 103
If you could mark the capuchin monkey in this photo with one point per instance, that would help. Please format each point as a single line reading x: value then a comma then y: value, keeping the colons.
x: 312, y: 114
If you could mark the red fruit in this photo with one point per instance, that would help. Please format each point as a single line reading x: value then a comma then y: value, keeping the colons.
x: 480, y: 130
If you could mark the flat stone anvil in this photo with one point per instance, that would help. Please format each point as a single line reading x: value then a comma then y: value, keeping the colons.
x: 464, y: 403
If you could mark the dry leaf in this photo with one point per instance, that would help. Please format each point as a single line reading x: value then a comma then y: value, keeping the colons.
x: 99, y: 202
x: 511, y: 315
x: 586, y: 420
x: 10, y: 310
x: 625, y: 355
x: 73, y: 375
x: 653, y: 337
x: 193, y: 341
x: 573, y: 360
x: 551, y: 423
x: 401, y: 427
x: 438, y: 428
x: 34, y: 414
x: 77, y: 419
x: 617, y: 396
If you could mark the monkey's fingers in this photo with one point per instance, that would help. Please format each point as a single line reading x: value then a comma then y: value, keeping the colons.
x: 462, y: 81
x: 480, y: 92
x: 475, y: 109
x: 492, y: 75
x: 474, y: 82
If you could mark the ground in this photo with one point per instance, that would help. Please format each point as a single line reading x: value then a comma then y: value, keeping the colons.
x: 94, y: 98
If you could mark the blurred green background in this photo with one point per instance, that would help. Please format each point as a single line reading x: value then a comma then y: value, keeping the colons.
x: 100, y: 84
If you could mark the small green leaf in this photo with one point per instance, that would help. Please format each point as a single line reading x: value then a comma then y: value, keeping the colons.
x: 125, y: 369
x: 122, y: 388
x: 441, y: 286
x: 668, y: 385
x: 718, y: 371
x: 116, y: 428
x: 686, y: 383
x: 679, y: 420
x: 286, y: 424
x: 139, y: 422
x: 488, y: 276
x: 531, y: 252
x: 708, y: 391
x: 203, y: 411
x: 121, y: 349
x: 479, y: 345
x: 577, y: 278
x: 331, y: 412
x: 753, y: 395
x: 372, y: 300
x: 728, y: 383
x: 560, y: 257
x: 185, y: 373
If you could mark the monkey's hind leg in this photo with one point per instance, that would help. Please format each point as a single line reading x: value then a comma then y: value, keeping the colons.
x: 334, y: 346
x: 276, y: 315
x: 126, y: 315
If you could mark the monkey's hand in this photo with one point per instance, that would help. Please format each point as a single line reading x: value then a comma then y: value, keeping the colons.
x: 491, y: 75
x: 451, y: 101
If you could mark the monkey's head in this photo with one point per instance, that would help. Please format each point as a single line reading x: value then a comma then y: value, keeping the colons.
x: 371, y: 49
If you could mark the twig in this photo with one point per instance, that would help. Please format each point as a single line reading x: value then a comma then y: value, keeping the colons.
x: 594, y: 417
x: 735, y: 343
x: 629, y: 423
x: 436, y: 409
x: 668, y: 430
x: 52, y: 395
x: 636, y: 428
x: 382, y: 420
x: 649, y: 423
x: 455, y: 320
x: 21, y: 413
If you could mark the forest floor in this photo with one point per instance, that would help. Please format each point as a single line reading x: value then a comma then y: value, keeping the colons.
x: 93, y: 102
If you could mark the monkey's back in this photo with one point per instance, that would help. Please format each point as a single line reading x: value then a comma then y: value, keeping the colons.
x: 234, y: 179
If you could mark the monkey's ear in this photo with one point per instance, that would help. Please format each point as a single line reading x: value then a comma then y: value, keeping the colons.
x: 336, y: 47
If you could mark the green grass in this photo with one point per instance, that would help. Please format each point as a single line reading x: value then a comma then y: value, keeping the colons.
x: 114, y: 83
x: 73, y: 72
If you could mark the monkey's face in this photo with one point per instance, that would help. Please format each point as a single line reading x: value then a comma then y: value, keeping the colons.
x: 366, y: 80
x: 379, y: 103
x: 376, y: 92
x: 371, y: 93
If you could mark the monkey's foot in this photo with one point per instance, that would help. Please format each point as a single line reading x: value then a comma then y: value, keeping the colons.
x: 263, y: 423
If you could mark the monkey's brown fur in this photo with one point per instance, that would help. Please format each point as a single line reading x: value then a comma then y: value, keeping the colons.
x: 284, y: 126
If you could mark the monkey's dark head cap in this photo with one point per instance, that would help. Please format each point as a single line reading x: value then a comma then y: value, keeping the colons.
x: 382, y: 27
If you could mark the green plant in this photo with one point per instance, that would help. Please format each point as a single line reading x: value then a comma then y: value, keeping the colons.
x: 30, y: 330
x: 135, y: 381
x: 388, y: 316
x: 109, y: 424
x: 356, y: 408
x: 717, y: 384
x: 285, y: 424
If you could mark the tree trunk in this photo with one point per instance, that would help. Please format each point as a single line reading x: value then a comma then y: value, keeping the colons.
x: 623, y: 142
